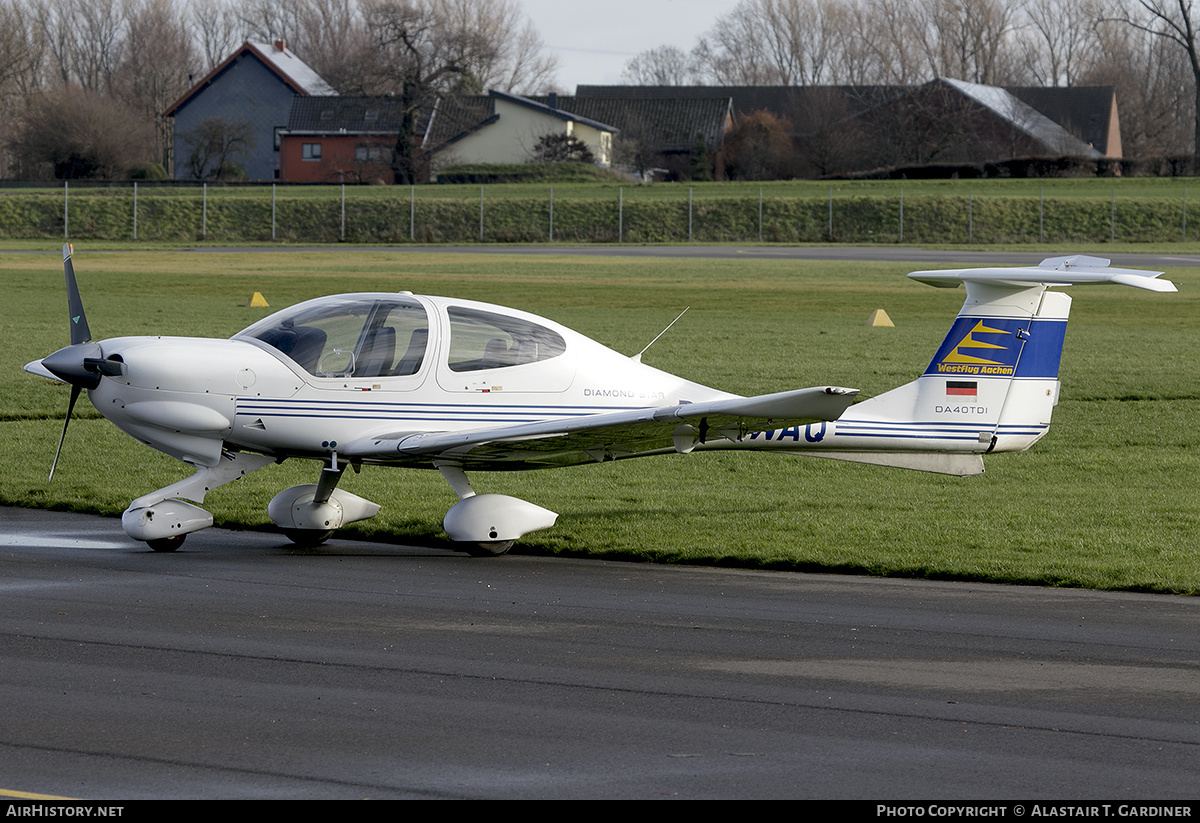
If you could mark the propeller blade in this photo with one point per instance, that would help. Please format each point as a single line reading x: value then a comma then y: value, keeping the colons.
x: 80, y: 333
x: 75, y: 389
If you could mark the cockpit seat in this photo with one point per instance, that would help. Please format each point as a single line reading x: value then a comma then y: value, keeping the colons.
x: 378, y: 354
x: 410, y: 363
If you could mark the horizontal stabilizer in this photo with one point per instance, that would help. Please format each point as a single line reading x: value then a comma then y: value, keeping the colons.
x: 1053, y: 271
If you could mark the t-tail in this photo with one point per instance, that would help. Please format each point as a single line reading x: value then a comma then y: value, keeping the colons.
x: 992, y: 384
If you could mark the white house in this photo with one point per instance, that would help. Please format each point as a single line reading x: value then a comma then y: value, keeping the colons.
x: 505, y: 128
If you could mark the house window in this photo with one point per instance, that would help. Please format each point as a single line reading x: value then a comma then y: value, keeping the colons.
x: 373, y: 154
x: 310, y: 151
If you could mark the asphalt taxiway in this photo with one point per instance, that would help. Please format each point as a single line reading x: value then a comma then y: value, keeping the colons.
x: 243, y: 667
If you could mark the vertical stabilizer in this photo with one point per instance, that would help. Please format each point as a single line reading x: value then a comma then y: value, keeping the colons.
x: 993, y: 382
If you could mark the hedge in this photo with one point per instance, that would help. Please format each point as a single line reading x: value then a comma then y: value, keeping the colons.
x: 109, y: 215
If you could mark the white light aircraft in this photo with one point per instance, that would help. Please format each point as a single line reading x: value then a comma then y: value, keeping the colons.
x: 397, y: 379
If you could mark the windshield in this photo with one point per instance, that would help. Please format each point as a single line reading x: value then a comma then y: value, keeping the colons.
x: 350, y: 335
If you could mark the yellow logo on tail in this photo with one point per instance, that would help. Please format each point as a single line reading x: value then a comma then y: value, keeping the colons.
x: 969, y: 343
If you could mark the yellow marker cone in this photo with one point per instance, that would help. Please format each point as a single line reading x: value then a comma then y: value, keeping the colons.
x: 259, y: 302
x: 880, y: 318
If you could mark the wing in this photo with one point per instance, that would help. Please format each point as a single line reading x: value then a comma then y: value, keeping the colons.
x: 607, y: 436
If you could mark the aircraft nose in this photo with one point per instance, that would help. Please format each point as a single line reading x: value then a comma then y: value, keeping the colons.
x: 80, y: 364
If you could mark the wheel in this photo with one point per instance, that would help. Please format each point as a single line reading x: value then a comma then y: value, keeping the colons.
x: 166, y: 544
x: 308, y: 537
x: 492, y: 549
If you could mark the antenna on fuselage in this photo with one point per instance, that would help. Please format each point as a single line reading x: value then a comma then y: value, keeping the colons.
x: 638, y: 357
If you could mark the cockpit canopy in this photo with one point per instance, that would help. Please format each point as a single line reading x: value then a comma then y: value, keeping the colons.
x: 350, y: 335
x: 384, y: 335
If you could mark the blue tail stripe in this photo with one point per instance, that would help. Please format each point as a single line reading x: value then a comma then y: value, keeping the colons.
x: 1001, y: 347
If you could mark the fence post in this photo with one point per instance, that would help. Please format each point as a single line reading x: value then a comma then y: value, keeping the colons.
x: 204, y: 211
x: 902, y: 214
x: 760, y: 214
x: 831, y: 214
x: 1042, y: 214
x: 66, y: 213
x: 1184, y: 237
x: 1112, y: 217
x: 620, y: 214
x: 970, y: 215
x: 135, y: 210
x: 412, y: 213
x: 272, y: 211
x: 689, y: 214
x: 342, y: 236
x: 481, y: 214
x: 552, y: 214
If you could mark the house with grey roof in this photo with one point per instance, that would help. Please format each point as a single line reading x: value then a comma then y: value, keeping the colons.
x: 235, y: 113
x: 1088, y: 112
x: 665, y: 131
x: 506, y: 128
x: 841, y: 129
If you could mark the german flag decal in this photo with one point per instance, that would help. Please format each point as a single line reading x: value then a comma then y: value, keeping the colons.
x: 962, y: 388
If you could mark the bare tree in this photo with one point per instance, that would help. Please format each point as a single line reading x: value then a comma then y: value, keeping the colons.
x: 1058, y: 43
x: 422, y: 61
x: 215, y: 147
x: 1153, y: 81
x: 270, y: 20
x: 333, y: 38
x: 834, y: 138
x: 965, y: 39
x: 216, y: 29
x: 661, y: 66
x: 159, y: 60
x: 101, y: 45
x: 884, y: 50
x: 498, y: 47
x: 72, y: 132
x: 21, y: 49
x: 638, y: 147
x: 432, y: 48
x: 774, y: 42
x: 733, y: 52
x: 1175, y: 21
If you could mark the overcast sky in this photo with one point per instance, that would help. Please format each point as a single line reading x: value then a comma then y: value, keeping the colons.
x: 593, y: 41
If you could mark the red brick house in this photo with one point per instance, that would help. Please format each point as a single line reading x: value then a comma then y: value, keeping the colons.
x: 339, y: 140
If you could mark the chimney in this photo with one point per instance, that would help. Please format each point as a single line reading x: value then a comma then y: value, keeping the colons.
x: 281, y: 45
x: 552, y: 100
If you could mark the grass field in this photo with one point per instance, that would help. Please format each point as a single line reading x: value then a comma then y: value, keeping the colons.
x: 1107, y: 500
